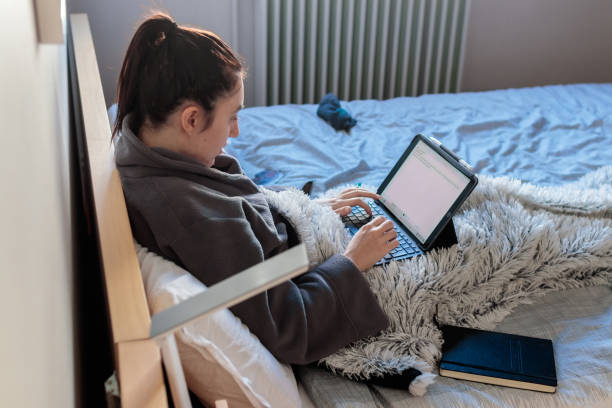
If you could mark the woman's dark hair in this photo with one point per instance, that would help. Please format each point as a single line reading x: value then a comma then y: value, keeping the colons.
x: 166, y: 64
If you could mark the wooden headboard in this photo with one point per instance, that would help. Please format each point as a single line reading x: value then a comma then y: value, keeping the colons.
x: 137, y: 358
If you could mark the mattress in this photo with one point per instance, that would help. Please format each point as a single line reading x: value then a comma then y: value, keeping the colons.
x: 544, y: 135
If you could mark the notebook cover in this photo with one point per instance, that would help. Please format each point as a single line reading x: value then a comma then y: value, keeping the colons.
x: 500, y: 355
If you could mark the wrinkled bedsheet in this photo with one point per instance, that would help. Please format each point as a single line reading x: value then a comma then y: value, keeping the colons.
x: 545, y: 135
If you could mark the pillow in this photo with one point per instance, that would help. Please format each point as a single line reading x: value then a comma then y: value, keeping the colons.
x: 221, y: 358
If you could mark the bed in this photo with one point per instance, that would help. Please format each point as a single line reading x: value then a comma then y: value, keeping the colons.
x: 549, y: 136
x: 544, y: 135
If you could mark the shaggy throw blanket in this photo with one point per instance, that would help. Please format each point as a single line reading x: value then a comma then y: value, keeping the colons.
x: 516, y: 241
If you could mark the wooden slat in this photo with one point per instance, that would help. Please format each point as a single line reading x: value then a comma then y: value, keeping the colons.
x: 138, y: 361
x: 129, y: 313
x: 174, y: 372
x: 140, y: 375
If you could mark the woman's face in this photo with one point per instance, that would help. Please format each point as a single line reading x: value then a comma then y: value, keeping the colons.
x: 213, y: 139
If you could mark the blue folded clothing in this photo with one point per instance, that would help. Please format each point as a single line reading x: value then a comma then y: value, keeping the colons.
x: 329, y: 110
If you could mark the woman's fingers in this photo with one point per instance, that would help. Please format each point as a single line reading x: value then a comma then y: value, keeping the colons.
x: 337, y: 204
x: 392, y: 244
x: 377, y: 221
x: 386, y: 230
x: 358, y: 192
x: 342, y: 211
x: 352, y: 202
x: 350, y: 197
x: 387, y: 226
x: 381, y: 223
x: 372, y: 242
x: 389, y: 231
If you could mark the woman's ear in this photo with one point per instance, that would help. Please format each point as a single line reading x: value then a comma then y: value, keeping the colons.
x: 193, y: 119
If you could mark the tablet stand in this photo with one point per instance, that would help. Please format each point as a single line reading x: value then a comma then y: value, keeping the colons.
x: 447, y: 238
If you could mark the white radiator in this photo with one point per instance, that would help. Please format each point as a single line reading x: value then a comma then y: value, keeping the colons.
x: 358, y: 49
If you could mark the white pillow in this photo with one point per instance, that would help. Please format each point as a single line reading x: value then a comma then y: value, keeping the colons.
x: 220, y: 357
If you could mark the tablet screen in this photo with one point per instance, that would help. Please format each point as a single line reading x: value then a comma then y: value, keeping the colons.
x: 423, y: 190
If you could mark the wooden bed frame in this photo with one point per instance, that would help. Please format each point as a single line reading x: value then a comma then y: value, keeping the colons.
x: 137, y: 358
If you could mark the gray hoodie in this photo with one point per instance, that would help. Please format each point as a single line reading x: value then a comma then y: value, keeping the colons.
x: 214, y: 222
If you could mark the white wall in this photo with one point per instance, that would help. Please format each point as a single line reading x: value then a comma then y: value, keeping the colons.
x: 511, y: 43
x: 114, y: 21
x: 516, y: 43
x: 36, y: 305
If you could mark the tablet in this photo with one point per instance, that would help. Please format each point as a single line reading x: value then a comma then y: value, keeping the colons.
x: 425, y: 188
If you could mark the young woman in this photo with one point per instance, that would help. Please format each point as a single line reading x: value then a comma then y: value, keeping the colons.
x: 179, y: 93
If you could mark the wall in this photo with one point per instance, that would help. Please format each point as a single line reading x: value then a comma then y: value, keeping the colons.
x: 525, y: 42
x: 114, y: 21
x: 511, y: 43
x: 36, y: 305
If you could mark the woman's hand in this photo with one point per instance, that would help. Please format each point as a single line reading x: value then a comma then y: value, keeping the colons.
x: 373, y: 241
x: 348, y: 198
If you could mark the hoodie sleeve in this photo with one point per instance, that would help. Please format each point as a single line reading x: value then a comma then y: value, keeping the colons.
x: 299, y: 321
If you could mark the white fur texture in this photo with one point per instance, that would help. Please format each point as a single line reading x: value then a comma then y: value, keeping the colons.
x: 516, y: 241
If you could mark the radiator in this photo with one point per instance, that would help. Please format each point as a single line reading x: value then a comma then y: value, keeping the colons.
x: 358, y: 49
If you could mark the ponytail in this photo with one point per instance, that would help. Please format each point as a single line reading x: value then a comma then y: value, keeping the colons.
x: 166, y: 64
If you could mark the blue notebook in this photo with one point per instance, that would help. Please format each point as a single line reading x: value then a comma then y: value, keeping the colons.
x: 498, y: 358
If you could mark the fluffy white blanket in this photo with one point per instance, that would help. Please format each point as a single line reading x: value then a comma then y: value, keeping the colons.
x: 516, y: 241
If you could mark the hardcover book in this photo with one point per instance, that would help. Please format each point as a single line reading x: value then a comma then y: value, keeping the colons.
x: 498, y: 358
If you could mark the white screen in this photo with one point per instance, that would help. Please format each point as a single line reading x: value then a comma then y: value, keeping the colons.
x: 423, y: 190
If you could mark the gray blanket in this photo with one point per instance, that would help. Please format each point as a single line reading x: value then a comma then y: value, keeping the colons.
x: 516, y: 242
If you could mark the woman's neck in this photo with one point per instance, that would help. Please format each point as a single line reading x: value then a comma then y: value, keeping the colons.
x: 164, y: 136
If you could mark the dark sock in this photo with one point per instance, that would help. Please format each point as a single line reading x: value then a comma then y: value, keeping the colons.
x: 329, y: 110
